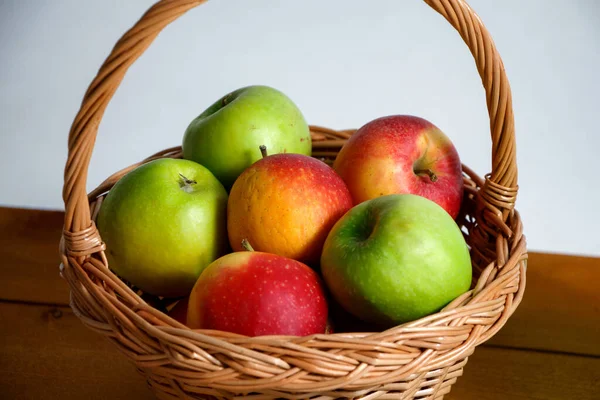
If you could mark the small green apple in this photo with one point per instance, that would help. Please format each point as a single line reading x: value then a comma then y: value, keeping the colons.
x: 396, y: 258
x: 163, y: 223
x: 226, y: 137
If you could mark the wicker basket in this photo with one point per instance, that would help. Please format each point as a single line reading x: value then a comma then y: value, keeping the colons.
x: 417, y: 360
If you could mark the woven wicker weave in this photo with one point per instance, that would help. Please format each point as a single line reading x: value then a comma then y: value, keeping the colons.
x: 418, y: 360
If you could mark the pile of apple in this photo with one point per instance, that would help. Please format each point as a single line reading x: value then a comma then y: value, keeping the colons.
x: 257, y: 237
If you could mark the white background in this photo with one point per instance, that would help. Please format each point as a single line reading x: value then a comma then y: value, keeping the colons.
x: 343, y: 62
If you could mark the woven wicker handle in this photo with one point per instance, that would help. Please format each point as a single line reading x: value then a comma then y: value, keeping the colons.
x: 499, y: 190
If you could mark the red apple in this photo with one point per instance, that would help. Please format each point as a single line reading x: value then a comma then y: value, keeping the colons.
x: 286, y: 204
x: 402, y: 154
x: 254, y: 293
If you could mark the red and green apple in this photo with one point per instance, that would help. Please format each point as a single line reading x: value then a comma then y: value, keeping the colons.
x: 402, y: 154
x: 254, y: 294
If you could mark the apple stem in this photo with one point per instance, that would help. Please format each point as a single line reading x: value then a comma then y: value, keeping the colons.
x: 427, y: 171
x: 225, y: 100
x: 187, y: 181
x: 263, y: 150
x: 246, y: 245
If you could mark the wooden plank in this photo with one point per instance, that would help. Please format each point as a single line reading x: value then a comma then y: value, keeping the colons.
x: 496, y: 373
x: 560, y: 310
x: 47, y: 354
x: 29, y: 256
x: 561, y: 307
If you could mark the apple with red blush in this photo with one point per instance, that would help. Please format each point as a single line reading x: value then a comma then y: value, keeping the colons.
x: 286, y: 204
x: 254, y: 293
x: 402, y: 154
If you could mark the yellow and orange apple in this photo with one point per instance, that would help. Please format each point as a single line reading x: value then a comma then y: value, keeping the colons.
x: 402, y: 154
x: 286, y: 204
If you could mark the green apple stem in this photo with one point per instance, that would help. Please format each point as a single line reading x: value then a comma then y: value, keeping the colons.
x: 427, y: 171
x: 187, y: 183
x: 246, y: 245
x: 263, y: 150
x: 225, y: 99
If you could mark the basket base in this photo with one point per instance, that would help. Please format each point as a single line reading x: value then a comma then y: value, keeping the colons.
x: 429, y: 385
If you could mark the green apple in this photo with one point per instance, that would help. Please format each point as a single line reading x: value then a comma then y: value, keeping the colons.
x: 226, y: 137
x: 163, y: 223
x: 396, y: 258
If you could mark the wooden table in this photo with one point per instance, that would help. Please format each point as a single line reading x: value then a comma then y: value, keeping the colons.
x: 549, y: 349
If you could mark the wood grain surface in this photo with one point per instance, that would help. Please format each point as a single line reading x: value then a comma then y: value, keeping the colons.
x: 549, y: 349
